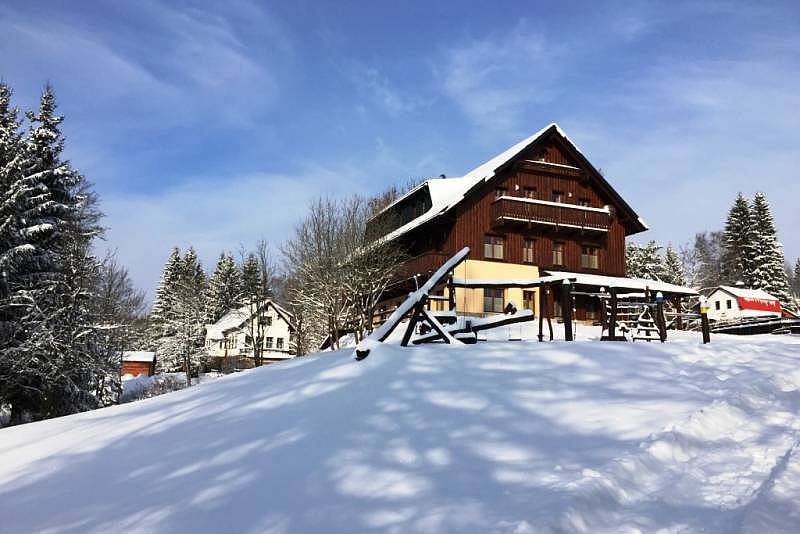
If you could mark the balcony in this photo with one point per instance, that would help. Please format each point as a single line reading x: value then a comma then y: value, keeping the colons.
x: 507, y: 211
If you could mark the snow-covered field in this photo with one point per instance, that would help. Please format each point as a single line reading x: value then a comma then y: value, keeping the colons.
x: 495, y: 437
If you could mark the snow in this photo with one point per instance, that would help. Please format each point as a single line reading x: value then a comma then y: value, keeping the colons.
x: 386, y: 328
x: 495, y: 437
x: 619, y: 282
x: 554, y: 204
x: 235, y: 318
x: 138, y: 356
x: 742, y: 292
x: 447, y: 192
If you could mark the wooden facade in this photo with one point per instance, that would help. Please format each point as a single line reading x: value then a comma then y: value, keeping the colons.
x: 545, y: 197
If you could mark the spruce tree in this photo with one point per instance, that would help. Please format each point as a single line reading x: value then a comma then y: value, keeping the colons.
x: 797, y: 277
x: 740, y: 244
x: 180, y: 313
x: 224, y: 293
x: 769, y: 272
x: 51, y: 359
x: 651, y: 267
x: 633, y: 260
x: 672, y: 268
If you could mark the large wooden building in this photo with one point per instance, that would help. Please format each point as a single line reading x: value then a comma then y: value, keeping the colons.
x: 539, y: 207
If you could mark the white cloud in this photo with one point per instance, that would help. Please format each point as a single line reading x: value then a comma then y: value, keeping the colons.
x: 210, y: 216
x: 493, y: 79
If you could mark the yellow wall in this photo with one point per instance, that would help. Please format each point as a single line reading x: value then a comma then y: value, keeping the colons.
x: 470, y: 301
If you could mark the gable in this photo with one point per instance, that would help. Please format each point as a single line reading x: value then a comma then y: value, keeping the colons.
x: 560, y: 148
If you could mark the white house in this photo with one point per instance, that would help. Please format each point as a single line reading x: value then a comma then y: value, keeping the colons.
x: 728, y: 303
x: 230, y: 336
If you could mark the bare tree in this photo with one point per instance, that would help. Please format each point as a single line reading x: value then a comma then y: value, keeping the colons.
x: 339, y: 268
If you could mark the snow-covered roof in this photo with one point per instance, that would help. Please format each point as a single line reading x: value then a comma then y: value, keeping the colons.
x: 447, y: 192
x: 235, y: 318
x: 623, y: 283
x: 745, y: 293
x: 579, y: 279
x: 138, y: 356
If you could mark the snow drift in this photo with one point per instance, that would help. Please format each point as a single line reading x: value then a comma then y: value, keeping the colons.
x: 496, y: 437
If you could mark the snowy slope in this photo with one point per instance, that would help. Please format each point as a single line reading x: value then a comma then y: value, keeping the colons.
x: 494, y: 437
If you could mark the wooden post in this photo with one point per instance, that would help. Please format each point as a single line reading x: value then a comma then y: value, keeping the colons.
x: 419, y: 308
x: 451, y: 293
x: 612, y: 323
x: 542, y: 306
x: 661, y: 321
x: 566, y: 309
x: 678, y: 312
x: 704, y: 326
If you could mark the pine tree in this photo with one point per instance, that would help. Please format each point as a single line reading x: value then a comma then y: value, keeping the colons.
x: 180, y: 313
x: 651, y: 267
x: 740, y: 244
x: 52, y: 359
x: 672, y: 268
x: 633, y: 260
x: 797, y: 277
x: 224, y: 292
x: 769, y: 272
x: 166, y: 287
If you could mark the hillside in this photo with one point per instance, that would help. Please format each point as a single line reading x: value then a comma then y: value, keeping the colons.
x: 495, y: 437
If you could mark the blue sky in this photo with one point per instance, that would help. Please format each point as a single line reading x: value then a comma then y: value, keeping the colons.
x: 213, y: 124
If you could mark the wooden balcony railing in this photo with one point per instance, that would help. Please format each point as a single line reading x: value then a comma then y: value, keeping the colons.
x: 506, y: 210
x: 423, y: 264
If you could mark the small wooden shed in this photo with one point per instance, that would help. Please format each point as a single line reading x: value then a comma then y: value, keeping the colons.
x: 138, y: 362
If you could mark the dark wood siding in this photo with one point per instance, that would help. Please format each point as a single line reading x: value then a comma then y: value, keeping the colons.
x: 136, y: 368
x: 473, y: 217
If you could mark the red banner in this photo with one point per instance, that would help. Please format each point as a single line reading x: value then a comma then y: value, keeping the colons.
x: 759, y: 304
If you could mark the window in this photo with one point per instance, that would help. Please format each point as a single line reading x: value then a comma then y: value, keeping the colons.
x: 558, y: 196
x: 717, y: 303
x: 584, y: 202
x: 529, y: 300
x: 729, y: 304
x: 589, y: 257
x: 268, y: 320
x: 529, y: 192
x: 557, y: 307
x: 268, y: 343
x: 558, y: 253
x: 493, y: 300
x: 493, y: 247
x: 500, y: 192
x: 279, y: 343
x: 528, y: 248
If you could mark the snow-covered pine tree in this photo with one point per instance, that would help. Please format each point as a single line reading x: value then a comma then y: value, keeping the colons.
x: 51, y: 359
x: 769, y: 272
x: 650, y: 267
x: 224, y: 291
x: 633, y: 260
x: 166, y: 286
x: 740, y: 244
x: 796, y: 278
x: 257, y: 273
x: 672, y: 268
x: 12, y: 196
x: 181, y: 314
